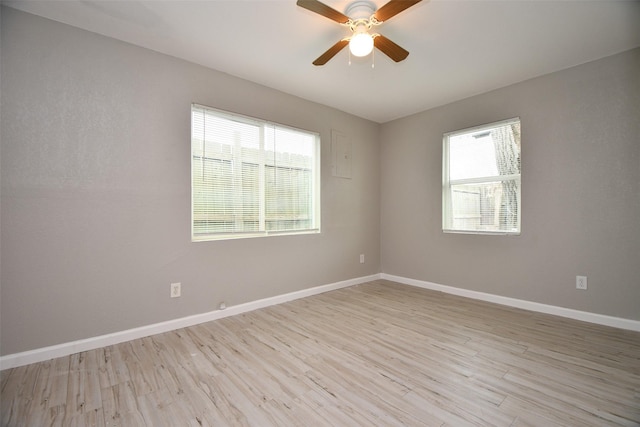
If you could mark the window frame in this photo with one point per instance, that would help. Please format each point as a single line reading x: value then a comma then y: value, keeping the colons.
x: 263, y: 231
x: 447, y: 183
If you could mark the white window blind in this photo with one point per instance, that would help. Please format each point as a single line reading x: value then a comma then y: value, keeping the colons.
x: 251, y: 178
x: 481, y: 179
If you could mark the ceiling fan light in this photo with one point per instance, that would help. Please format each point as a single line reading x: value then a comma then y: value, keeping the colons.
x: 361, y: 44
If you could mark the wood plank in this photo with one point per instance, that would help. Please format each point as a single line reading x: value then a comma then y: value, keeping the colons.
x: 18, y: 399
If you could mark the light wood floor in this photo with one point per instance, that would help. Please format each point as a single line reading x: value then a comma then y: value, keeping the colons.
x: 379, y: 354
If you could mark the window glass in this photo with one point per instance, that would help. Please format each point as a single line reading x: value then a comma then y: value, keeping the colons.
x: 251, y: 178
x: 482, y: 179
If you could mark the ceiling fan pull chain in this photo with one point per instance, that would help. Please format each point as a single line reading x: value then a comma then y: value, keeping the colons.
x: 373, y: 58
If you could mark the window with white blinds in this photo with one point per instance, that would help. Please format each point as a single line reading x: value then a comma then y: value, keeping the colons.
x: 251, y: 178
x: 481, y: 179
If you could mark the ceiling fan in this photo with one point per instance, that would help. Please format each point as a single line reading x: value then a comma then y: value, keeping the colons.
x: 360, y: 17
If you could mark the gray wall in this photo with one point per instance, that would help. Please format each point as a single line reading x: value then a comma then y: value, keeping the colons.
x: 95, y: 201
x: 580, y: 192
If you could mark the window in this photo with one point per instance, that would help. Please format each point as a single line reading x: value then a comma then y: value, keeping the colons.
x: 481, y: 179
x: 251, y: 178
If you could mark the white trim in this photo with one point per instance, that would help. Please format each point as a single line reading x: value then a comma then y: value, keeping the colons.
x: 485, y: 179
x: 585, y: 316
x: 60, y: 350
x: 39, y: 355
x: 484, y: 127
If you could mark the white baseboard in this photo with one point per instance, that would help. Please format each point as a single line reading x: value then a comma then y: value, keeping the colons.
x: 601, y: 319
x: 39, y: 355
x: 65, y: 349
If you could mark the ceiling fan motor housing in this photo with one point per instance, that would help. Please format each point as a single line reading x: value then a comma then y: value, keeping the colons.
x: 360, y: 9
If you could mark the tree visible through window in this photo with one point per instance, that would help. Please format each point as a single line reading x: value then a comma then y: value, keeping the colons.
x: 481, y: 179
x: 251, y: 178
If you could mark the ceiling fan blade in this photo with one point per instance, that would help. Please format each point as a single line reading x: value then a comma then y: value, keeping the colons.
x: 389, y: 48
x: 324, y: 10
x: 393, y: 8
x: 333, y: 50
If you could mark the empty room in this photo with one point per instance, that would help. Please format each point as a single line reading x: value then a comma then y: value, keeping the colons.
x: 323, y: 213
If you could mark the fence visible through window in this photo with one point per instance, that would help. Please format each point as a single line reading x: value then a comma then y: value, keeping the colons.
x: 482, y: 179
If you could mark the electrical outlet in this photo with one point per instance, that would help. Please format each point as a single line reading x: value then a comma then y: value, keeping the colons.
x: 581, y: 282
x: 175, y: 290
x: 222, y: 305
x: 361, y: 258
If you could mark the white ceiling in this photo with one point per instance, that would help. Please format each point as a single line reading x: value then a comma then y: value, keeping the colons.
x: 458, y: 48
